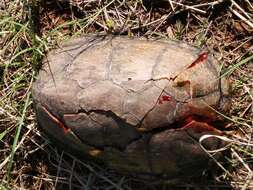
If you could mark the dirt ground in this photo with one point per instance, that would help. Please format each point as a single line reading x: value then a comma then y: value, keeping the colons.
x: 29, y: 29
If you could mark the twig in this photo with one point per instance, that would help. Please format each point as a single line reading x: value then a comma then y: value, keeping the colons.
x: 65, y: 169
x: 58, y: 171
x: 248, y: 91
x: 250, y: 173
x: 71, y: 174
x: 249, y: 3
x: 172, y: 7
x: 246, y: 109
x: 208, y: 4
x: 16, y: 148
x: 241, y: 17
x: 211, y: 152
x: 208, y: 27
x: 240, y: 8
x: 239, y: 46
x: 189, y: 7
x: 3, y: 112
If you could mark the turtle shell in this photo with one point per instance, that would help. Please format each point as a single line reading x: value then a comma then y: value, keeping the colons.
x: 138, y: 105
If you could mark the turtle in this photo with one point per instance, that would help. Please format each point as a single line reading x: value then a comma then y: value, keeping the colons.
x: 140, y: 106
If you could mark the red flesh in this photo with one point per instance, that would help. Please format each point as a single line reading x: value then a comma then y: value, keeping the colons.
x: 202, y: 57
x: 166, y: 98
x: 198, y: 126
x: 57, y: 121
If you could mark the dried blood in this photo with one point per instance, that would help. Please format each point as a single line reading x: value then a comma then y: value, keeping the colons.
x: 197, y: 126
x: 202, y: 57
x: 166, y: 98
x: 56, y: 120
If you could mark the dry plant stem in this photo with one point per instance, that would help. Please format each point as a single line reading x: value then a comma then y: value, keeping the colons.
x: 163, y: 19
x: 4, y: 111
x: 71, y: 175
x: 58, y: 170
x: 210, y: 153
x: 249, y: 3
x: 16, y: 148
x: 208, y: 4
x: 39, y: 147
x: 238, y: 47
x: 250, y: 173
x: 189, y: 7
x: 208, y: 28
x: 247, y: 89
x: 97, y: 174
x: 246, y: 109
x: 65, y: 169
x: 151, y: 23
x: 240, y: 8
x: 241, y: 17
x: 231, y: 119
x: 102, y: 26
x: 75, y: 174
x: 171, y: 4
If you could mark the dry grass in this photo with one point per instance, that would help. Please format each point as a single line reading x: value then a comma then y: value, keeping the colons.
x: 29, y: 161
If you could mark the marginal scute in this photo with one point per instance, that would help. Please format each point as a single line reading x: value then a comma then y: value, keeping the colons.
x: 133, y: 158
x: 93, y: 132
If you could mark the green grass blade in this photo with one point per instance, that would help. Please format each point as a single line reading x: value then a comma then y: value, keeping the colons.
x: 3, y: 134
x: 20, y: 53
x: 242, y: 62
x: 15, y: 142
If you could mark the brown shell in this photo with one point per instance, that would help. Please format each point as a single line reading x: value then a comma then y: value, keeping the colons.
x: 129, y: 103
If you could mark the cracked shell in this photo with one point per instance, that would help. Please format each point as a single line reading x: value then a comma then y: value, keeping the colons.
x: 138, y: 105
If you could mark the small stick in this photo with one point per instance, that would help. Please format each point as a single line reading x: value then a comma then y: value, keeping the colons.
x: 250, y: 173
x: 249, y: 3
x: 242, y: 17
x: 248, y: 91
x: 240, y: 8
x: 247, y: 108
x: 189, y: 7
x: 171, y: 4
x: 208, y: 4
